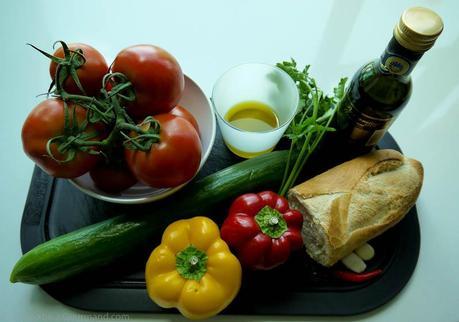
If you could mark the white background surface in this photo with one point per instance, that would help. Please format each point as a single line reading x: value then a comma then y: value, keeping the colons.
x: 208, y: 37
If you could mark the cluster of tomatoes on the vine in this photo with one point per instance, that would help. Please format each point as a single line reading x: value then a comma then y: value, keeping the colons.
x: 122, y: 124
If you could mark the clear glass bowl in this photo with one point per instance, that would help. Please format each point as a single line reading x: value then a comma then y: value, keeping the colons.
x: 255, y: 82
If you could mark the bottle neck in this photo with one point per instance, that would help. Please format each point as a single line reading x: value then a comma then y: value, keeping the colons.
x: 397, y: 60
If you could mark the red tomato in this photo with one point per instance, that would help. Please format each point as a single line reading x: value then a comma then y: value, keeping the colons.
x: 180, y: 111
x: 172, y: 161
x: 90, y: 74
x: 45, y: 122
x: 112, y: 178
x: 156, y: 76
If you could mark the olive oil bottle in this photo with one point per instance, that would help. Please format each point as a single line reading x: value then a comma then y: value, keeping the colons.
x: 380, y: 89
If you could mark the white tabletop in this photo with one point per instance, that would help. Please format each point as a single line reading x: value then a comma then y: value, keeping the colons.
x: 208, y: 37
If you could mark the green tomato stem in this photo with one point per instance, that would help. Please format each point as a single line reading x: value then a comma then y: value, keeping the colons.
x: 107, y: 109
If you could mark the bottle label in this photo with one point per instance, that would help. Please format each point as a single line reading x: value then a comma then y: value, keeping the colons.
x: 363, y: 129
x: 398, y: 60
x: 395, y: 65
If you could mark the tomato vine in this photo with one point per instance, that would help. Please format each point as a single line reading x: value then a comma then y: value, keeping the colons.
x: 107, y: 109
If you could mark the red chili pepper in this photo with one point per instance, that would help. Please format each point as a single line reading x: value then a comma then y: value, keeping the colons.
x: 357, y: 278
x: 262, y: 229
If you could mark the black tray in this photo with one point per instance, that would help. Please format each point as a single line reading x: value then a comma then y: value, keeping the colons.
x: 299, y: 287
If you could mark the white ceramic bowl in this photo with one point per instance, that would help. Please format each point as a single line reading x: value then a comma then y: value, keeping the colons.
x: 198, y: 104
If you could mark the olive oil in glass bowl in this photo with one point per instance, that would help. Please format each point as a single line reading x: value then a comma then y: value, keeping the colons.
x: 251, y: 116
x: 254, y: 104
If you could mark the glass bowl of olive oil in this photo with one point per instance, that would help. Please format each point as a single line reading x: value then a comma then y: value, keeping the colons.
x: 254, y: 104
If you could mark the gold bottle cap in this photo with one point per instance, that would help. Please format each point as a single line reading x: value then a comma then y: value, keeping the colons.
x: 418, y: 29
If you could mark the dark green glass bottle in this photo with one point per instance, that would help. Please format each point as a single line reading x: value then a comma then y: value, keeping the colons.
x: 380, y: 90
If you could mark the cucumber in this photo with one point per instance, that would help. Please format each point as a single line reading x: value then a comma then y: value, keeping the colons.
x: 105, y: 242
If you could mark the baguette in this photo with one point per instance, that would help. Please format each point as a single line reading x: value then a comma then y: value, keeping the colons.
x: 354, y: 202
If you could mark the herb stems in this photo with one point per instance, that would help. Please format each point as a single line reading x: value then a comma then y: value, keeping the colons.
x: 311, y: 122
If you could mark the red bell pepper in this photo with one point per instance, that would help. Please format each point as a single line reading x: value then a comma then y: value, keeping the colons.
x: 262, y: 229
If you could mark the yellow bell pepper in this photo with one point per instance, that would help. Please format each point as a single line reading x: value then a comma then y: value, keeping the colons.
x: 193, y: 269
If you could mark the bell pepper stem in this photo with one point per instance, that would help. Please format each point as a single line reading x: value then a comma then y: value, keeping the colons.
x: 271, y: 222
x: 194, y: 260
x: 191, y: 263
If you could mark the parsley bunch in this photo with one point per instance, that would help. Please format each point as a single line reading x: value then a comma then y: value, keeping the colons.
x: 311, y: 122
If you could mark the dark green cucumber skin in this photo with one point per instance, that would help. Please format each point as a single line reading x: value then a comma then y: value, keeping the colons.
x: 105, y: 242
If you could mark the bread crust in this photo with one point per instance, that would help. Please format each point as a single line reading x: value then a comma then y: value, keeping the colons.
x: 354, y: 202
